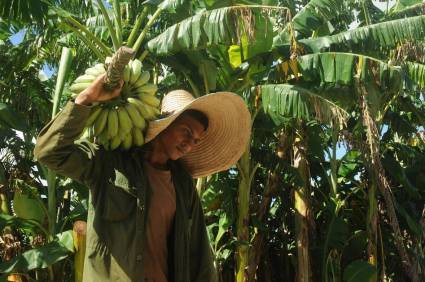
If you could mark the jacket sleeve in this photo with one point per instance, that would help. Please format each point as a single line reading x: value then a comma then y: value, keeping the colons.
x: 57, y: 148
x: 202, y: 266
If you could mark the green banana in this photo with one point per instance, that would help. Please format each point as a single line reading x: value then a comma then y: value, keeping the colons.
x: 122, y: 126
x: 148, y: 88
x: 94, y: 113
x: 138, y: 138
x: 136, y: 69
x: 85, y: 78
x: 140, y: 106
x: 112, y: 123
x: 154, y: 110
x: 102, y: 138
x: 100, y: 122
x: 126, y: 74
x: 125, y: 123
x: 94, y: 72
x: 135, y: 116
x: 127, y: 141
x: 150, y: 100
x: 143, y: 79
x: 115, y: 142
x: 78, y: 87
x: 100, y: 67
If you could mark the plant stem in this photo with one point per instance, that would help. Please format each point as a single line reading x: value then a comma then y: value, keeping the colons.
x: 204, y: 75
x: 366, y: 12
x: 139, y: 40
x: 89, y: 44
x: 76, y: 25
x: 334, y: 161
x: 195, y: 89
x: 64, y: 66
x: 143, y: 56
x: 136, y: 26
x: 115, y: 41
x: 117, y: 20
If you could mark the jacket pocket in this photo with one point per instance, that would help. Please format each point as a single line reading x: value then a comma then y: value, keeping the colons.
x: 119, y: 204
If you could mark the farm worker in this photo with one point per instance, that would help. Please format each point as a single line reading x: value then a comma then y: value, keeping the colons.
x: 145, y: 220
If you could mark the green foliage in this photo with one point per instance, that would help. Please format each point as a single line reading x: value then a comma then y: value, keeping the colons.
x: 223, y: 26
x: 10, y: 118
x: 315, y: 14
x: 285, y: 100
x: 369, y: 38
x: 41, y: 257
x: 359, y: 271
x: 416, y: 73
x: 301, y: 73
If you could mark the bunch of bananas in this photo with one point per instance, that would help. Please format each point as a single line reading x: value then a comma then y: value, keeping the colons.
x: 120, y: 122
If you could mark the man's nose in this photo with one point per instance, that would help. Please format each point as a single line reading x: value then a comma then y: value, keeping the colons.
x: 188, y: 145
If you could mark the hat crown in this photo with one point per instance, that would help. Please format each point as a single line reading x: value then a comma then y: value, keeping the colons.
x: 175, y: 101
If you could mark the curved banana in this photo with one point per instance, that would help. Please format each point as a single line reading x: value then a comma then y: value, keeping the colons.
x: 136, y: 69
x: 143, y: 79
x: 140, y: 106
x: 135, y: 116
x: 94, y: 113
x: 150, y: 100
x: 127, y: 141
x: 148, y: 88
x: 138, y: 138
x: 102, y: 139
x: 85, y: 78
x: 126, y: 74
x: 78, y: 87
x: 115, y: 142
x: 125, y: 123
x: 100, y: 122
x: 112, y: 123
x: 94, y: 71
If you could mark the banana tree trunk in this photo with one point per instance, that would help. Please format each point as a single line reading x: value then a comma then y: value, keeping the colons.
x: 259, y: 243
x: 372, y: 228
x: 64, y: 66
x: 4, y: 205
x: 242, y: 225
x: 375, y: 165
x: 302, y: 209
x: 79, y: 235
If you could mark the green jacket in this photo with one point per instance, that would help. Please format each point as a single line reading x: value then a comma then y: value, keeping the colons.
x: 119, y: 197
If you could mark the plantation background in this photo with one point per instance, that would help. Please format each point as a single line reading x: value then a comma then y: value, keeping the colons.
x: 331, y: 186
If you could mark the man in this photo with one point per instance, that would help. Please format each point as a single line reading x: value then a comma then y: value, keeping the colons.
x: 145, y: 221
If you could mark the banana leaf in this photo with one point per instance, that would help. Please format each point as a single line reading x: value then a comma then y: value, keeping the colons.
x: 283, y: 101
x: 41, y: 257
x: 359, y: 270
x: 11, y: 119
x: 416, y: 73
x: 315, y: 14
x: 24, y: 10
x: 369, y: 38
x: 224, y: 26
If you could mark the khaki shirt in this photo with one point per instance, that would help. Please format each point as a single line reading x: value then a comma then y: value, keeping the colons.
x: 118, y: 201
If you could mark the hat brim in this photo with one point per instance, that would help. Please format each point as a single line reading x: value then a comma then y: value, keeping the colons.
x: 226, y: 138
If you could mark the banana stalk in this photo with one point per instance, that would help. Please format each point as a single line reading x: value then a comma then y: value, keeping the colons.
x: 79, y: 235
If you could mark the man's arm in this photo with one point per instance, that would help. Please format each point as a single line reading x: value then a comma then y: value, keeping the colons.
x: 56, y: 147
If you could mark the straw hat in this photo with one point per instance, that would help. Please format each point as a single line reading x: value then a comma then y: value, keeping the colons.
x: 227, y: 135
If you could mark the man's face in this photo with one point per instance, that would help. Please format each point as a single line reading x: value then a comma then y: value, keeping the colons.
x: 181, y: 136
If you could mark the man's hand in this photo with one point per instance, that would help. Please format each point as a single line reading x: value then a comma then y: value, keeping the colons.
x: 96, y: 92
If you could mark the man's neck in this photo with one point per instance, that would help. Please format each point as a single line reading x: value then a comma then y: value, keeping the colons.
x: 156, y: 157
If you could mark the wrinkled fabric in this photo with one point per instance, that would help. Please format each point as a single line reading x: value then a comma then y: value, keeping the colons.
x: 118, y: 200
